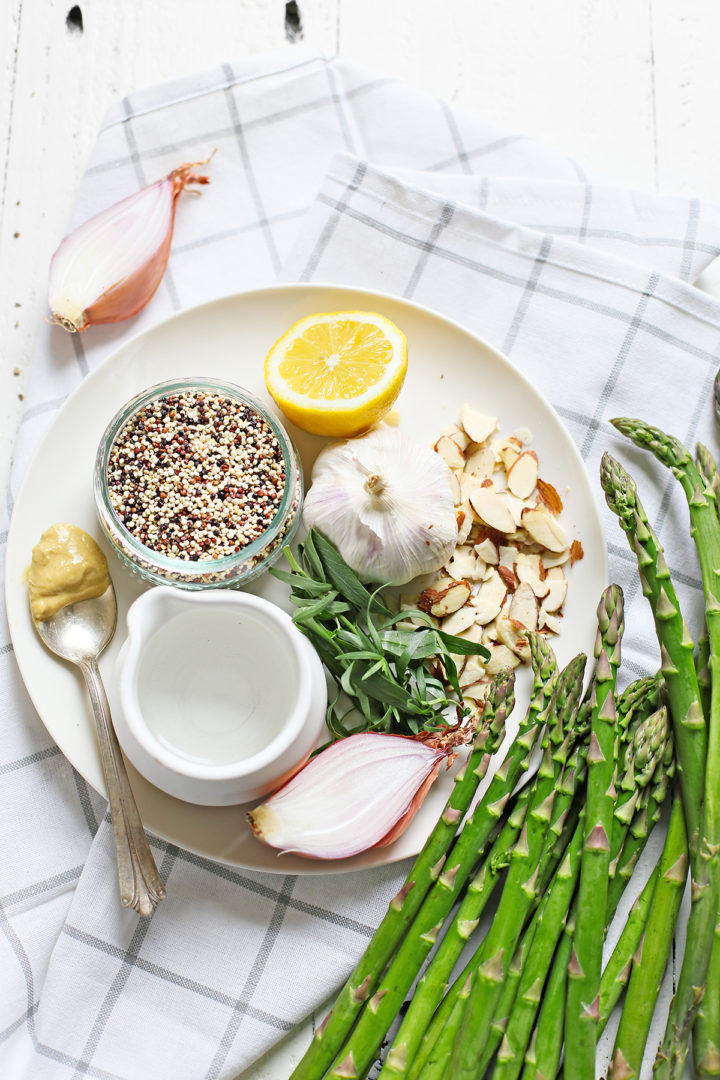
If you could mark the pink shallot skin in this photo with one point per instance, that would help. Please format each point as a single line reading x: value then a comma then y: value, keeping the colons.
x: 129, y: 295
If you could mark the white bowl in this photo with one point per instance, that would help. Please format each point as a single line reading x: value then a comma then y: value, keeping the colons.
x: 217, y: 697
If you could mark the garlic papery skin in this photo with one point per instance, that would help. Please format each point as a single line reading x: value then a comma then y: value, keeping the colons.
x: 108, y: 268
x: 360, y: 792
x: 386, y: 503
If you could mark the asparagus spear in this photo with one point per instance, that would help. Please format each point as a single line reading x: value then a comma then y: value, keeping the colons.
x: 542, y: 1059
x: 706, y: 1032
x: 650, y: 959
x: 586, y: 961
x: 520, y: 889
x: 433, y: 982
x: 701, y: 930
x: 445, y: 887
x: 330, y: 1034
x: 616, y: 972
x: 676, y: 645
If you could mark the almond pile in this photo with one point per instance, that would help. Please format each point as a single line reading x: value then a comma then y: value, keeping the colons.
x: 507, y: 574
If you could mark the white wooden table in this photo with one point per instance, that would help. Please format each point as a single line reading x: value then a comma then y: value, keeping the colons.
x: 628, y: 87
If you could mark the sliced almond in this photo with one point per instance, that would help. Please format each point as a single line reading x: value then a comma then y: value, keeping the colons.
x: 501, y: 659
x: 441, y: 602
x: 465, y: 521
x: 524, y: 606
x: 460, y: 621
x: 480, y: 462
x: 522, y: 474
x: 551, y: 561
x: 469, y: 484
x: 489, y: 598
x: 472, y: 672
x: 528, y: 569
x: 546, y: 621
x: 458, y: 435
x: 487, y: 551
x: 462, y: 564
x: 454, y: 479
x: 509, y: 450
x: 545, y: 529
x: 474, y: 632
x: 557, y: 591
x: 450, y: 452
x: 507, y: 554
x: 514, y: 635
x: 508, y: 576
x: 576, y: 552
x: 478, y: 426
x: 548, y: 495
x: 477, y: 691
x: 492, y: 510
x: 515, y: 506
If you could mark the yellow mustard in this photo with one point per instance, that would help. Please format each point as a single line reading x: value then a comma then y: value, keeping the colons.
x: 67, y: 566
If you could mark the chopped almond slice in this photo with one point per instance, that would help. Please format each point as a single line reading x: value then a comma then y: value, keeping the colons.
x: 508, y: 576
x: 461, y: 620
x: 441, y: 602
x: 478, y: 426
x: 480, y: 462
x: 468, y: 484
x: 546, y: 621
x: 450, y: 452
x: 515, y: 506
x: 509, y: 450
x: 474, y: 632
x: 549, y: 496
x: 551, y: 561
x: 477, y: 691
x: 576, y: 552
x: 523, y: 474
x: 545, y: 529
x: 501, y: 659
x: 514, y: 635
x: 489, y: 598
x: 491, y: 510
x: 465, y: 521
x: 454, y: 479
x: 557, y: 591
x: 528, y: 569
x: 472, y: 672
x: 487, y: 551
x: 462, y: 564
x: 507, y: 554
x: 524, y: 607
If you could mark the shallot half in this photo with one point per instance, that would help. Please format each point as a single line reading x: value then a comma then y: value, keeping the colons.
x: 108, y: 268
x: 360, y: 792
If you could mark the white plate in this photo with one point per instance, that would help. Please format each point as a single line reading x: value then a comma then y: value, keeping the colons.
x: 228, y: 339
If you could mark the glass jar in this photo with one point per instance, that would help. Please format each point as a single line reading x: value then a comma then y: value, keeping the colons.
x: 197, y: 566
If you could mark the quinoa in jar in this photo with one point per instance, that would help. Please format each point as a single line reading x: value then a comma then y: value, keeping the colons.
x: 197, y: 484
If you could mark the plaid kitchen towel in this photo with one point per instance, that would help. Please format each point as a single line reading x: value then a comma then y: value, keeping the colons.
x: 325, y: 172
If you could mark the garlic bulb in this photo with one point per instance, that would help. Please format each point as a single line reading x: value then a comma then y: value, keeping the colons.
x: 387, y: 505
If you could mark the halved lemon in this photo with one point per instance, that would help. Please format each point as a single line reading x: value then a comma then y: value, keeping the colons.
x: 337, y: 373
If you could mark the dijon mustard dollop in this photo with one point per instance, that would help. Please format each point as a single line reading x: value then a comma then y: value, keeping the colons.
x: 67, y: 566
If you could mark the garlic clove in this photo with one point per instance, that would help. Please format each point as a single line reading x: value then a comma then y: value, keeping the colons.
x: 358, y: 793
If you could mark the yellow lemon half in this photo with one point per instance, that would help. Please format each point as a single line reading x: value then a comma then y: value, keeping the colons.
x: 338, y: 373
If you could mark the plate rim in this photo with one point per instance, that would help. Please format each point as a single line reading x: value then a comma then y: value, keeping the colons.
x: 339, y: 866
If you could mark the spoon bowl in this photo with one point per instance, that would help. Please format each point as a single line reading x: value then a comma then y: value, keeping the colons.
x: 81, y: 631
x: 78, y: 633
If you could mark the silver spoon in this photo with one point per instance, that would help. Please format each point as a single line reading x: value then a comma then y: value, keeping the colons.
x: 79, y: 633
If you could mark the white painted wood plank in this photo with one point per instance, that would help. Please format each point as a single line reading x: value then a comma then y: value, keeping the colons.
x: 576, y: 75
x: 686, y: 43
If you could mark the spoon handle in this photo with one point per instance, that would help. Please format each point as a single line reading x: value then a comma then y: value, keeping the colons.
x: 141, y: 887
